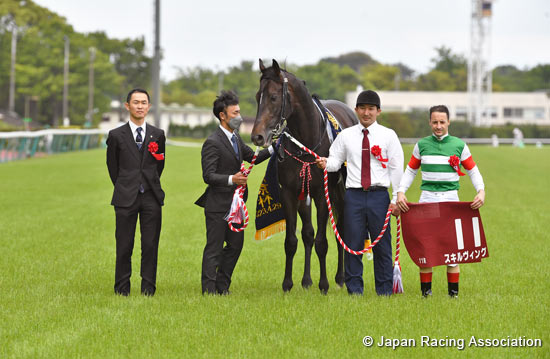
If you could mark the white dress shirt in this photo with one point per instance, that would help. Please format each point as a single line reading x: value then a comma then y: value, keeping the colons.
x: 134, y: 127
x: 348, y: 148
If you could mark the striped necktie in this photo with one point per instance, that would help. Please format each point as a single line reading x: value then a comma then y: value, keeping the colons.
x: 139, y: 139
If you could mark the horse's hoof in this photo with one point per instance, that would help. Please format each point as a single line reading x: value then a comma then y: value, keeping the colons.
x: 306, y: 283
x: 339, y: 280
x: 287, y: 285
x: 323, y: 286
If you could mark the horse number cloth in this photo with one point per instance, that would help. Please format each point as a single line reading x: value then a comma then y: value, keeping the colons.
x: 443, y: 233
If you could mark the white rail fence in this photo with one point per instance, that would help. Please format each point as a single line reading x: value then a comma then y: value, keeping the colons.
x: 24, y: 144
x: 19, y: 145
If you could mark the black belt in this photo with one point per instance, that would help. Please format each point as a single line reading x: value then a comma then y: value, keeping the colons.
x: 372, y: 189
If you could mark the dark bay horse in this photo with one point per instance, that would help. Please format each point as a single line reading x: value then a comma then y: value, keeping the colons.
x: 284, y: 104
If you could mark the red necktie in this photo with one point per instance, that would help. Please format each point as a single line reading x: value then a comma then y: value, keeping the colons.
x: 365, y: 161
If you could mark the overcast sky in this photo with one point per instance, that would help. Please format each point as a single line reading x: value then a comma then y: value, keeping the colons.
x: 219, y: 34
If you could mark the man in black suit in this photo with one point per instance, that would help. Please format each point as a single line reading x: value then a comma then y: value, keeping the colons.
x: 135, y: 159
x: 221, y: 158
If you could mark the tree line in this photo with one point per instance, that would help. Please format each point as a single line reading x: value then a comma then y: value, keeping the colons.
x: 121, y: 64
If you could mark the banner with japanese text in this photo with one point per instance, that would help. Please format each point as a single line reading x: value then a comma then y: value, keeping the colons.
x: 443, y: 233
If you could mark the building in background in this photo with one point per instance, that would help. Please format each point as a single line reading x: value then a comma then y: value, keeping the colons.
x: 186, y: 115
x: 518, y: 108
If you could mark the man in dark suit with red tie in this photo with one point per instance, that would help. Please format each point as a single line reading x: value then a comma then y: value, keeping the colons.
x: 221, y: 158
x: 135, y: 160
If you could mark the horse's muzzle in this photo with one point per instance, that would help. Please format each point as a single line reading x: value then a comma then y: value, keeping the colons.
x: 260, y: 140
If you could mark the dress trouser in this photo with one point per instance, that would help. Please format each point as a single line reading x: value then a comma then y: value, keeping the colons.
x: 218, y: 262
x: 150, y: 218
x: 366, y: 211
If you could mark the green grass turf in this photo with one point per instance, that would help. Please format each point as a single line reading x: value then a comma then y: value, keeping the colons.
x: 57, y: 272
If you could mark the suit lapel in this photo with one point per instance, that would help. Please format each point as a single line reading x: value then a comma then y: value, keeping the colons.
x: 129, y: 138
x: 148, y: 136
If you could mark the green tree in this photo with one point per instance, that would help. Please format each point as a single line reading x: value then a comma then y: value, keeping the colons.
x: 328, y: 80
x: 448, y: 74
x: 435, y: 81
x: 510, y: 78
x: 245, y: 82
x: 507, y: 78
x: 380, y: 77
x: 130, y: 62
x: 356, y: 60
x: 400, y: 122
x: 40, y: 58
x: 538, y: 78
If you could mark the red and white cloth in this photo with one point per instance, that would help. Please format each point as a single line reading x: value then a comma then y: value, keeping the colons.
x: 443, y: 233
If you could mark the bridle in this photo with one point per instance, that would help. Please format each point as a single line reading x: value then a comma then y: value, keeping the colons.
x: 281, y: 124
x: 280, y: 127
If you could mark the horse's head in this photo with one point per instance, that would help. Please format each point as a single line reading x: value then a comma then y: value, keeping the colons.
x: 274, y: 104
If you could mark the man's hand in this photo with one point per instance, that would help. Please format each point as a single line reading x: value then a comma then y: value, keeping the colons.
x: 239, y: 179
x: 395, y: 211
x: 402, y: 202
x: 321, y: 162
x: 479, y: 199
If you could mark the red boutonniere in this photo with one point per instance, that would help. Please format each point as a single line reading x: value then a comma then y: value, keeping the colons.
x: 153, y: 148
x: 454, y: 161
x: 377, y: 153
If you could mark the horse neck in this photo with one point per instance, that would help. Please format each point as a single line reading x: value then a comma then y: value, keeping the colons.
x: 304, y: 124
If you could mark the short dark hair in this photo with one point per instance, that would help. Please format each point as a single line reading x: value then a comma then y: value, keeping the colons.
x: 439, y: 108
x: 129, y: 97
x: 225, y: 99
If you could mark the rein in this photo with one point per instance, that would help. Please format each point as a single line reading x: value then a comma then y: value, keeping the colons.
x: 333, y: 223
x: 305, y: 174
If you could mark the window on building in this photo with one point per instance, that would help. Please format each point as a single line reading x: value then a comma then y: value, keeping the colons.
x: 492, y: 111
x: 534, y: 113
x: 516, y: 112
x: 461, y: 112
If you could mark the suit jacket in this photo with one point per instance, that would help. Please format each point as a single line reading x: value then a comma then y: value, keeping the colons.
x: 129, y: 167
x: 219, y: 161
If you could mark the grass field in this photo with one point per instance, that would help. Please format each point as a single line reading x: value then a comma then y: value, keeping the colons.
x: 57, y: 272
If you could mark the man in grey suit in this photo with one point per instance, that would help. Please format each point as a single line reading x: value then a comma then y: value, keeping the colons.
x: 221, y: 157
x: 135, y: 160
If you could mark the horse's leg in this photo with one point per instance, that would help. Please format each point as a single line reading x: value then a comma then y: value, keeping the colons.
x: 307, y: 238
x: 321, y: 244
x: 337, y: 194
x: 339, y: 277
x: 290, y: 203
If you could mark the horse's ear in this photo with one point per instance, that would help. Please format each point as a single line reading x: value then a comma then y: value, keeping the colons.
x: 276, y: 67
x: 262, y: 67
